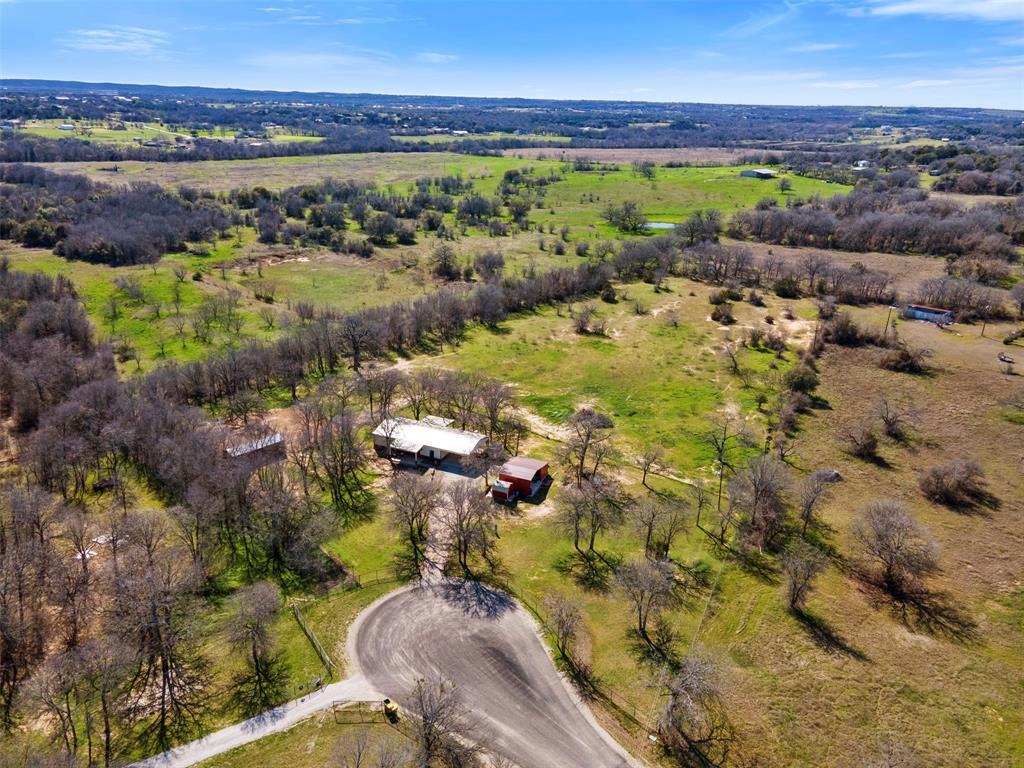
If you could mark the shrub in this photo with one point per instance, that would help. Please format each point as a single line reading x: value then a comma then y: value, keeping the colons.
x: 802, y: 378
x: 775, y: 342
x: 860, y: 441
x: 958, y: 484
x: 755, y: 298
x: 786, y: 288
x: 906, y: 359
x: 723, y: 314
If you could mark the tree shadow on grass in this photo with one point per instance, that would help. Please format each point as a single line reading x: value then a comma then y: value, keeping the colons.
x: 924, y: 610
x: 657, y: 648
x: 757, y: 564
x: 592, y: 571
x: 826, y: 637
x: 934, y: 612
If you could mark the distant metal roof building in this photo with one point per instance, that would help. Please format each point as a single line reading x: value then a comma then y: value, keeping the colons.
x: 758, y: 173
x: 931, y: 314
x: 237, y: 451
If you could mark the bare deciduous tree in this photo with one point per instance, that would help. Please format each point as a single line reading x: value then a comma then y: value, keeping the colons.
x: 897, y: 543
x: 444, y: 731
x: 650, y: 586
x: 250, y: 629
x: 896, y: 421
x: 801, y: 565
x: 811, y: 492
x: 693, y: 726
x: 650, y: 461
x: 412, y: 500
x: 469, y: 520
x: 563, y: 620
x: 590, y: 429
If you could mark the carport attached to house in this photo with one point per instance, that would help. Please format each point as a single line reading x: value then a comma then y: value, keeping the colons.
x: 424, y: 439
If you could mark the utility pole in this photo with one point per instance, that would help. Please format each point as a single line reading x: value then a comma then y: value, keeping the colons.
x: 887, y: 318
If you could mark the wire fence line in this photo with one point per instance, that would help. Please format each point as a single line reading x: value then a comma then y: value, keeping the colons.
x: 311, y: 636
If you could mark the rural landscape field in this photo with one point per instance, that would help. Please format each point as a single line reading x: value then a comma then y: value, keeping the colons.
x: 617, y: 424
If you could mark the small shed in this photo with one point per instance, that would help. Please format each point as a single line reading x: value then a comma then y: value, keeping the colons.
x: 758, y: 173
x: 526, y: 476
x: 930, y: 314
x: 502, y: 490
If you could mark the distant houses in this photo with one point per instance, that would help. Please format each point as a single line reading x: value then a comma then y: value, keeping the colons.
x: 759, y: 173
x: 431, y: 438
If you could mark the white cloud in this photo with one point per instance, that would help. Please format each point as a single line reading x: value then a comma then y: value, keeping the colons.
x: 927, y: 83
x: 986, y: 10
x: 289, y: 60
x: 816, y: 47
x: 757, y: 24
x: 905, y: 55
x: 116, y: 39
x: 845, y: 85
x: 431, y: 57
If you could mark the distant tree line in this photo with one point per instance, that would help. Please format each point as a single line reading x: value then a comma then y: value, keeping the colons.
x: 893, y: 220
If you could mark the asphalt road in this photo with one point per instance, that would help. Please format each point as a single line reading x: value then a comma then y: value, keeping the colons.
x: 488, y: 646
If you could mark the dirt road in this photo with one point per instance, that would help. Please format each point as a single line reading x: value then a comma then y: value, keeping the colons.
x: 488, y: 646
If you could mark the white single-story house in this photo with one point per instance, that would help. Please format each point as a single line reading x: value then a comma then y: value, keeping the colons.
x: 430, y: 438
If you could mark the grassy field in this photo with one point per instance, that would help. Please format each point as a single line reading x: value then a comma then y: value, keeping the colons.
x: 395, y: 273
x: 310, y: 744
x: 947, y: 695
x: 150, y: 325
x: 281, y: 172
x: 100, y: 131
x: 671, y: 196
x: 658, y: 381
x: 945, y: 689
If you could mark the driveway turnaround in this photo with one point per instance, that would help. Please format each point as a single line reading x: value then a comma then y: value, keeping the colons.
x: 483, y: 642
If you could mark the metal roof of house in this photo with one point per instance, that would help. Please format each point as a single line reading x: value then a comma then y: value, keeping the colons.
x: 412, y: 436
x: 522, y: 468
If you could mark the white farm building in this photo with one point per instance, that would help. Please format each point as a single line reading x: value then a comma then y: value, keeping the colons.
x: 431, y: 438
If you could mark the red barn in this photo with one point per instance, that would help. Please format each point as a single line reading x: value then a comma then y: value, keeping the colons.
x: 526, y: 476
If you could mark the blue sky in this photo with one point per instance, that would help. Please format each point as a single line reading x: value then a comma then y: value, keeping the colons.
x: 967, y: 53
